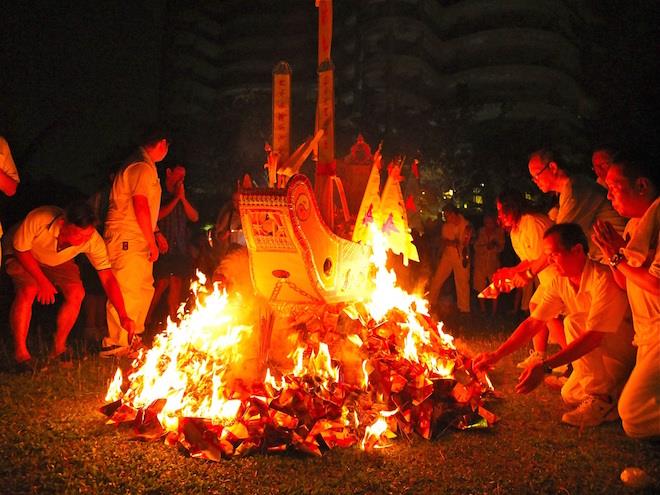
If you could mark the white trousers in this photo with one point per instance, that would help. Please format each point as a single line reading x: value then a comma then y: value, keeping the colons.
x: 639, y: 404
x: 134, y: 272
x: 451, y: 262
x: 597, y: 373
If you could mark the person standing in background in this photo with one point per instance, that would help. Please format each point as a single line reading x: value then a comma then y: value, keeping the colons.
x: 487, y: 248
x: 455, y: 240
x: 174, y: 268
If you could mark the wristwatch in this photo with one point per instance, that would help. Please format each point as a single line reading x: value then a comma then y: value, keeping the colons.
x: 616, y: 258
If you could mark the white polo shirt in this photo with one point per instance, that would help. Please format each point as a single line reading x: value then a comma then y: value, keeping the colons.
x: 38, y: 233
x: 598, y: 305
x: 139, y: 177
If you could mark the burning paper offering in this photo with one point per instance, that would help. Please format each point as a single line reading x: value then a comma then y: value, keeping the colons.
x: 357, y: 374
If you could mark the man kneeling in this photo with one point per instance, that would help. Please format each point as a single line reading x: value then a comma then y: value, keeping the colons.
x: 598, y: 331
x: 39, y: 258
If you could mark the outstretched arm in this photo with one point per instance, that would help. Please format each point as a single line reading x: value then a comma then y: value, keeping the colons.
x: 533, y: 375
x: 525, y: 331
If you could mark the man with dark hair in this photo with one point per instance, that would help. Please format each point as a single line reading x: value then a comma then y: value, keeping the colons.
x: 39, y: 259
x: 598, y: 333
x: 601, y: 160
x: 635, y: 264
x: 581, y: 200
x: 455, y: 243
x: 132, y: 238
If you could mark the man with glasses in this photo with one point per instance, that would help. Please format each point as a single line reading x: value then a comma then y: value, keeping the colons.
x: 598, y: 331
x: 581, y: 200
x: 132, y: 238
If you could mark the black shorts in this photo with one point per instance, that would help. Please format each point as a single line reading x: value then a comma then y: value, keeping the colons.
x: 178, y: 265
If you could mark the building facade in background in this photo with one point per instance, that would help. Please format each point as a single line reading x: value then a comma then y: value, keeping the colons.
x: 467, y: 85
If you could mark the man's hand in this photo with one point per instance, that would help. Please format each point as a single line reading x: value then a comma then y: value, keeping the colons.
x: 484, y: 361
x: 607, y: 239
x: 161, y: 243
x: 46, y: 292
x: 179, y: 190
x: 519, y: 280
x: 530, y: 378
x: 502, y: 279
x: 128, y: 325
x: 153, y: 252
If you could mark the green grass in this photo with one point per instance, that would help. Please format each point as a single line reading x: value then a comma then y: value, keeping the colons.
x: 54, y: 440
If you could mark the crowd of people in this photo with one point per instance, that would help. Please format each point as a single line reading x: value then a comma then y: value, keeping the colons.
x: 589, y: 275
x: 590, y: 278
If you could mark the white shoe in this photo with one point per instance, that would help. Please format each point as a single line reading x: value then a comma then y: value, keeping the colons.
x: 592, y: 411
x: 533, y: 357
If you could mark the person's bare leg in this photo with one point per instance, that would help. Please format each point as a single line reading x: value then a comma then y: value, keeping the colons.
x: 174, y: 296
x: 67, y: 315
x: 20, y: 315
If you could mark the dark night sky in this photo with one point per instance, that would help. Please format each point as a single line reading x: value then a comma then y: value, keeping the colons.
x: 77, y: 82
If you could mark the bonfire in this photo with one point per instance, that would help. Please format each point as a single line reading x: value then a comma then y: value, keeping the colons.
x: 375, y: 369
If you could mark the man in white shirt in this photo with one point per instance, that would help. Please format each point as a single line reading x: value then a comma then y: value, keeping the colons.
x: 635, y: 264
x: 455, y: 239
x: 132, y: 238
x: 8, y: 174
x: 581, y: 200
x: 39, y: 259
x: 598, y: 333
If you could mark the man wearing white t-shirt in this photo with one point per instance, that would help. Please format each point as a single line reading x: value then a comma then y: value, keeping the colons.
x: 635, y: 264
x: 598, y: 334
x: 132, y: 238
x: 581, y: 200
x: 39, y: 259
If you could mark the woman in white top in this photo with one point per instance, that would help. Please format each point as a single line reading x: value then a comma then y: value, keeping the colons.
x: 526, y: 229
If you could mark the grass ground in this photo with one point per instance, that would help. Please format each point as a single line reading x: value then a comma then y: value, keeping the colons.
x: 54, y: 440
